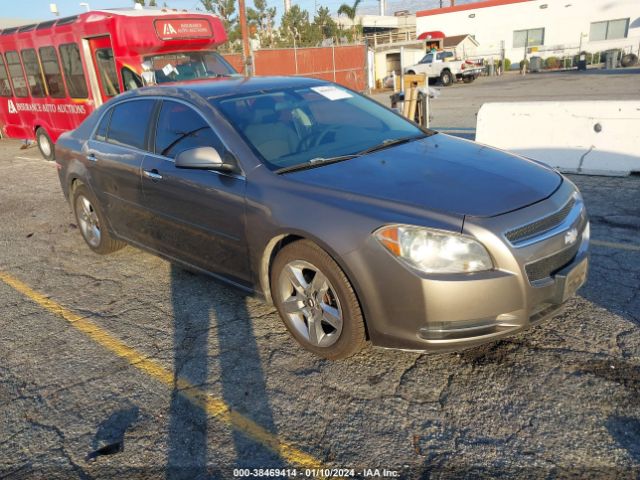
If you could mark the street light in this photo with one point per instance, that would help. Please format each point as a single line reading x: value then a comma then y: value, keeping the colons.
x: 86, y: 6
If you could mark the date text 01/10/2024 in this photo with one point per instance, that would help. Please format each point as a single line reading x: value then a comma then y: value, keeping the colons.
x: 316, y: 473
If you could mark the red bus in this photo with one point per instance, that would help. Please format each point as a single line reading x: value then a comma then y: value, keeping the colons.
x: 53, y: 74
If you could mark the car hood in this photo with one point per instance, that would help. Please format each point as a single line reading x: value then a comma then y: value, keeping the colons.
x: 441, y: 173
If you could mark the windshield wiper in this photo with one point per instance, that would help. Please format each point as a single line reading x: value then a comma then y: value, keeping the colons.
x: 392, y: 142
x: 316, y: 162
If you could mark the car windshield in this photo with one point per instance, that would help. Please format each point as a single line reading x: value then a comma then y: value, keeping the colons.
x: 309, y: 125
x: 428, y: 58
x: 176, y: 67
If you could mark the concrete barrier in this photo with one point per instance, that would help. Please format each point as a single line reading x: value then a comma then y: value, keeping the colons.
x: 597, y: 137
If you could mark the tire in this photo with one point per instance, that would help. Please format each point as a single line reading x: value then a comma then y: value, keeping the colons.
x: 340, y: 331
x: 411, y: 72
x: 468, y: 78
x: 92, y: 223
x: 45, y: 145
x: 446, y: 78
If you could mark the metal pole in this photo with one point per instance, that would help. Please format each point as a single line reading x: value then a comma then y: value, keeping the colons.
x: 333, y: 57
x: 246, y: 52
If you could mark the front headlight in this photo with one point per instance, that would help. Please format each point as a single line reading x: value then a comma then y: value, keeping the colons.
x: 434, y: 251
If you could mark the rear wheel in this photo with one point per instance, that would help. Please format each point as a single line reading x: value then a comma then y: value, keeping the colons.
x: 316, y: 301
x: 446, y: 78
x: 91, y: 222
x: 45, y: 145
x: 468, y: 78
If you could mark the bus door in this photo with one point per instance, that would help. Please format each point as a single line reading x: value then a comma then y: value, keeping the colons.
x: 105, y: 65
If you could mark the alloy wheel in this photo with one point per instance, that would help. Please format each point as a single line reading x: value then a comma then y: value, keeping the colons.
x: 88, y: 220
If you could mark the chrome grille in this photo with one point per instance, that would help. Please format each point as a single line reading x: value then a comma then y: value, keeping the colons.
x: 548, y: 266
x: 540, y: 226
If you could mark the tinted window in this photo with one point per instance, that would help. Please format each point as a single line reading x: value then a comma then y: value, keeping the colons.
x: 5, y: 87
x: 72, y: 67
x: 52, y: 74
x: 34, y: 74
x: 107, y: 71
x: 129, y: 123
x: 101, y: 131
x: 17, y: 75
x: 181, y: 128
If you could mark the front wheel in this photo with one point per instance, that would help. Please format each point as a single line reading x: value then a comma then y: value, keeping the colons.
x: 316, y: 301
x: 45, y: 145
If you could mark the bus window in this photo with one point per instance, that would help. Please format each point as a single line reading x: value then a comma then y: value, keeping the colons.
x: 17, y: 75
x: 52, y: 74
x: 72, y: 67
x: 5, y: 86
x: 107, y: 70
x: 130, y: 79
x: 34, y: 74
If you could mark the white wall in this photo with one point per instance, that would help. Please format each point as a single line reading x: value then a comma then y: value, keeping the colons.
x: 564, y: 22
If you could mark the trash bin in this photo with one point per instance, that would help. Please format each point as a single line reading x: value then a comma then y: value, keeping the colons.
x: 535, y: 64
x: 610, y: 59
x: 582, y: 61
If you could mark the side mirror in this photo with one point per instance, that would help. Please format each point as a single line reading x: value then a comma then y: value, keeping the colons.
x: 203, y: 158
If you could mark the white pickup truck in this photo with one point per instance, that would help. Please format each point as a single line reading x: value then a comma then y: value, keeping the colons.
x: 443, y: 66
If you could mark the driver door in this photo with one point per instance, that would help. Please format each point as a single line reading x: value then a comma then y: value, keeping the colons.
x: 197, y: 216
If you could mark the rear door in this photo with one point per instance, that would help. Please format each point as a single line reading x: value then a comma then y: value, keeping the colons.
x: 105, y: 66
x: 195, y: 215
x: 114, y: 157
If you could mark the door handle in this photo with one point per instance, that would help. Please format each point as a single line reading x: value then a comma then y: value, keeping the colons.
x: 92, y: 158
x: 152, y: 174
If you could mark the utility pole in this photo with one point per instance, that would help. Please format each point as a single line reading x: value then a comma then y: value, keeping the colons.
x: 244, y: 31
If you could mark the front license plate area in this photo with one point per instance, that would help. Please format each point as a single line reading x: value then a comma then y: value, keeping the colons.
x: 574, y: 279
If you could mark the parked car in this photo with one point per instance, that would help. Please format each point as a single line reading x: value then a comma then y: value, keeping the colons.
x: 358, y: 224
x: 444, y: 66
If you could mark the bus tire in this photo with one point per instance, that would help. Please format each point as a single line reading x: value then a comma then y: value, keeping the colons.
x: 45, y: 145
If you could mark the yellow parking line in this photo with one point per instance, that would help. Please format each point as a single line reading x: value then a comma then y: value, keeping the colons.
x: 215, y: 407
x: 621, y: 246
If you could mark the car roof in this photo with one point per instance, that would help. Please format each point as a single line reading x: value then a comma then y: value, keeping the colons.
x: 225, y: 86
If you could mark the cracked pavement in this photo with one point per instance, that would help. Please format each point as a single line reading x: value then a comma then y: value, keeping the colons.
x: 560, y: 400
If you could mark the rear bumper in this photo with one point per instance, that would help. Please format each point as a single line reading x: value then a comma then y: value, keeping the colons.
x: 411, y: 310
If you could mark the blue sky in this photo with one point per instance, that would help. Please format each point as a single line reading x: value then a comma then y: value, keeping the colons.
x: 39, y: 9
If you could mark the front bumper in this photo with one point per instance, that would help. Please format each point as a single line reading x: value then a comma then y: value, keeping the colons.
x: 415, y: 311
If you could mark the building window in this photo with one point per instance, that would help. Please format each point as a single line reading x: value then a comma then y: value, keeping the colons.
x: 528, y: 38
x: 609, y: 29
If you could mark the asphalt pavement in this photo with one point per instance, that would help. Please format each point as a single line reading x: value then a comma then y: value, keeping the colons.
x: 124, y: 366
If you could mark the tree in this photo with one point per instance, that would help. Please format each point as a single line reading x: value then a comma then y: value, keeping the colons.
x: 324, y: 24
x: 262, y: 19
x: 226, y: 11
x: 350, y: 12
x: 294, y: 25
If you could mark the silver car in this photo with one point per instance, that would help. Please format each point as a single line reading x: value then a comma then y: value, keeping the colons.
x: 357, y: 224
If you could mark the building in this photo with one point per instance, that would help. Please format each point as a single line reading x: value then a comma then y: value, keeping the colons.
x: 540, y: 27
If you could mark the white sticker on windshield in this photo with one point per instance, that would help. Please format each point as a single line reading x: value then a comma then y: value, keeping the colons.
x: 167, y: 69
x: 331, y: 92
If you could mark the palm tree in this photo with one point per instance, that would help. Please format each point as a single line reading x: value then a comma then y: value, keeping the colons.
x: 350, y: 12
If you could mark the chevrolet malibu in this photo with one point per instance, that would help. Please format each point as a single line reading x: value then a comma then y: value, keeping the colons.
x: 356, y: 223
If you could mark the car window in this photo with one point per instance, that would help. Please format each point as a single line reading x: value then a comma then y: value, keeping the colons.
x: 129, y: 123
x: 103, y: 128
x: 443, y: 55
x: 427, y: 58
x: 181, y: 128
